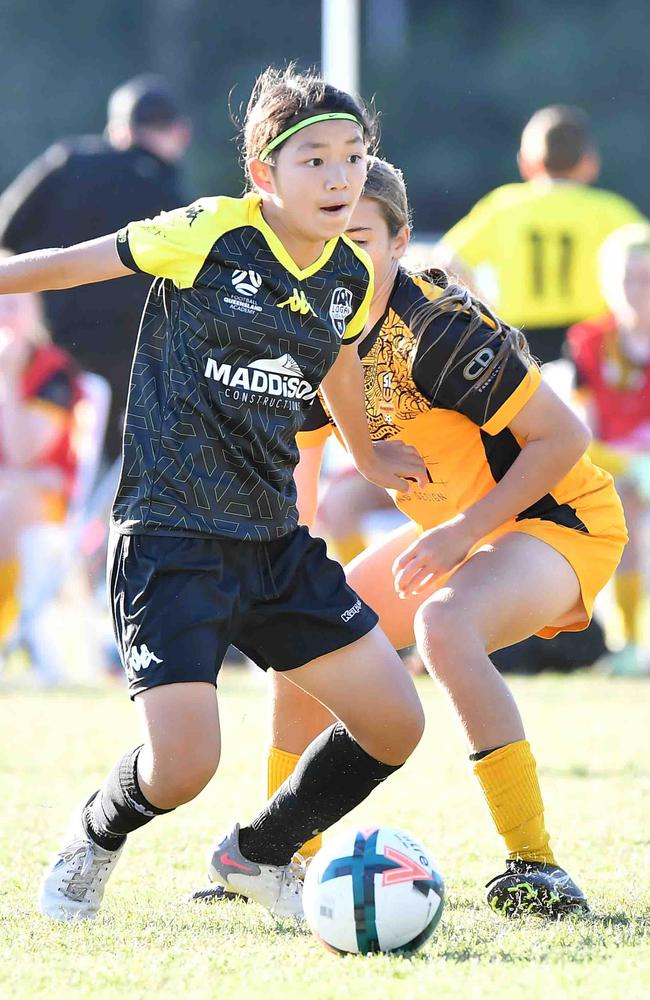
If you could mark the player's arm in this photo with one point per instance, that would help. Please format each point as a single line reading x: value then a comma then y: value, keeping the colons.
x: 467, y: 366
x: 307, y: 476
x: 553, y: 440
x: 343, y: 390
x: 67, y: 267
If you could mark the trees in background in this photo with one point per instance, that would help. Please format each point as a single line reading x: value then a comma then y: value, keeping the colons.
x: 455, y: 81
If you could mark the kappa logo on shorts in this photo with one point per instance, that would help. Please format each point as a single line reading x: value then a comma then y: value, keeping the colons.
x: 351, y: 612
x: 142, y: 660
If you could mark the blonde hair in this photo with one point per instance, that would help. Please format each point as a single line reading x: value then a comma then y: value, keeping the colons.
x: 385, y: 184
x: 619, y: 245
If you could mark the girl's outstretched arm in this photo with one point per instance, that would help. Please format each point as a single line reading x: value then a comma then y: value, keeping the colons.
x: 65, y: 267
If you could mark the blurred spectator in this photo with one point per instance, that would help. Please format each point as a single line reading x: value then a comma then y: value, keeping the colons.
x: 88, y: 186
x: 39, y: 391
x: 532, y: 246
x: 612, y: 358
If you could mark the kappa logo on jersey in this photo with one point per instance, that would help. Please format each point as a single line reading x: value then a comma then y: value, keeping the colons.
x: 265, y: 381
x: 193, y: 212
x: 340, y: 308
x: 478, y: 364
x: 246, y: 282
x: 139, y: 661
x: 297, y: 302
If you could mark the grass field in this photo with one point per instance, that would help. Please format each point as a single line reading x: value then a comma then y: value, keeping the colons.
x: 590, y: 735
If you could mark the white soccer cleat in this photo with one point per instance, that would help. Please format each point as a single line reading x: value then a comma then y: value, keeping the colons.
x: 73, y: 887
x: 276, y: 887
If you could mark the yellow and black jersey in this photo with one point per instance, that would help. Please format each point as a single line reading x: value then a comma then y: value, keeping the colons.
x: 234, y: 342
x: 421, y: 389
x: 533, y: 249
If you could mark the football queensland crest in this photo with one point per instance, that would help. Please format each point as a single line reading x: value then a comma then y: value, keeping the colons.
x: 340, y: 308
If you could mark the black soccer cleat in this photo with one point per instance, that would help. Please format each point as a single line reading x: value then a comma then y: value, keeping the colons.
x: 216, y: 894
x: 532, y: 887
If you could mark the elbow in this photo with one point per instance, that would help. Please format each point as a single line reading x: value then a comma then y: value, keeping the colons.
x: 578, y: 441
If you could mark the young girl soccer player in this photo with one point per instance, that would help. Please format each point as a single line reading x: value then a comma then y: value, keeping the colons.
x: 255, y: 298
x: 514, y: 533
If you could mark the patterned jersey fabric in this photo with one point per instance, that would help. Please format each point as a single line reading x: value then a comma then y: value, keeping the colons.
x: 234, y: 342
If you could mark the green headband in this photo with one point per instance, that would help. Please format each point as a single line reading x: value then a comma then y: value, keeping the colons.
x: 327, y: 117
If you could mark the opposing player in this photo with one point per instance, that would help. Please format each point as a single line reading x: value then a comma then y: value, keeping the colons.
x: 612, y: 359
x: 514, y: 533
x: 255, y: 297
x: 532, y: 247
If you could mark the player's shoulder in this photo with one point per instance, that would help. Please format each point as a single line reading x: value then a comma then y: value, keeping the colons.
x: 612, y: 202
x: 356, y: 253
x: 413, y: 289
x: 503, y: 197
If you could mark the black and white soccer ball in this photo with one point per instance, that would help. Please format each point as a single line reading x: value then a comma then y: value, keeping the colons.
x: 373, y: 890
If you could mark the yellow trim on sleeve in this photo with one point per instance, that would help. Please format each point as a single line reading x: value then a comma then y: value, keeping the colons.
x: 358, y: 322
x: 175, y: 244
x: 311, y: 439
x: 515, y: 402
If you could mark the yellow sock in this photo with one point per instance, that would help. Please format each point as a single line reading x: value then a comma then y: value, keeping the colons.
x: 9, y: 576
x: 345, y: 549
x: 281, y: 764
x: 628, y: 587
x: 508, y: 778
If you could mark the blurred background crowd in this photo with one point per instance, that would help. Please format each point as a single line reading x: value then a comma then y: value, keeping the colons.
x: 520, y: 131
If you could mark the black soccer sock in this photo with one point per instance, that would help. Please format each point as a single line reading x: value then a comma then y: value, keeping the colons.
x: 333, y: 776
x: 119, y: 807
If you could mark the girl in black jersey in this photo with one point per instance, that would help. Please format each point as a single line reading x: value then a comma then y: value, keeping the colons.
x: 253, y: 301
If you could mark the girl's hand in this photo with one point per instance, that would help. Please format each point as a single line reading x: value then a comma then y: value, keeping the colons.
x: 395, y: 466
x: 434, y: 554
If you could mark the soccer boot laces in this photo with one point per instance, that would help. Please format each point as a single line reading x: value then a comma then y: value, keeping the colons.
x: 73, y: 886
x: 532, y: 887
x: 276, y: 887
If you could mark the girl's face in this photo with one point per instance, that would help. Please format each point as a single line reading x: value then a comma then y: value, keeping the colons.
x: 369, y: 230
x: 317, y: 179
x: 635, y: 288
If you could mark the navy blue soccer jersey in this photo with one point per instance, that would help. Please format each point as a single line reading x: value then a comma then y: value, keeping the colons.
x: 235, y: 340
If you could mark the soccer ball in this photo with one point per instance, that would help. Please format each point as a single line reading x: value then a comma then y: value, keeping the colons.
x: 373, y: 890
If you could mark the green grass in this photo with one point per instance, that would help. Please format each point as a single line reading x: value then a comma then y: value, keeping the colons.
x: 589, y: 735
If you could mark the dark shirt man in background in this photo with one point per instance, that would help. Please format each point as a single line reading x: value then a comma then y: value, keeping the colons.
x: 87, y: 186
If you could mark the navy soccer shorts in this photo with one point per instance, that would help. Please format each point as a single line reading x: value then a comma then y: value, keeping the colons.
x: 179, y: 602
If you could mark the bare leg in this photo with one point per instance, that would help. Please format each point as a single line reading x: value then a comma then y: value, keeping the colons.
x: 182, y: 742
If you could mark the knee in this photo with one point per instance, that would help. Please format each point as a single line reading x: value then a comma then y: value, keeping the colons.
x: 179, y: 774
x: 396, y: 739
x: 441, y: 634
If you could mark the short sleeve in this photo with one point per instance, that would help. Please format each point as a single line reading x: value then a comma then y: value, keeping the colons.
x: 356, y: 319
x: 450, y: 359
x: 173, y: 245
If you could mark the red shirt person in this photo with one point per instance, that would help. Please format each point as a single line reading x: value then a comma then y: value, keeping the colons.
x: 612, y: 358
